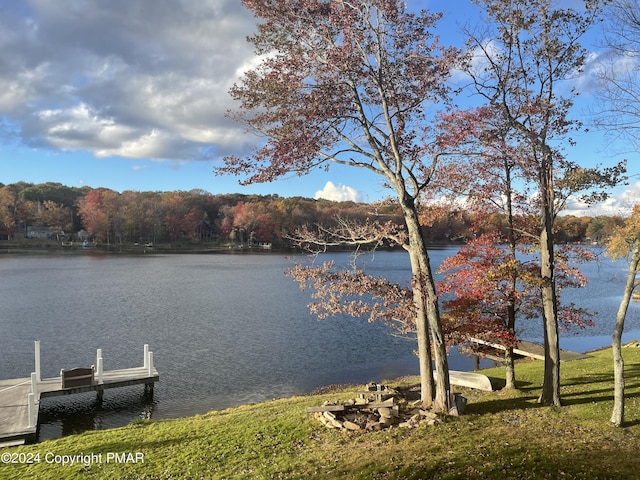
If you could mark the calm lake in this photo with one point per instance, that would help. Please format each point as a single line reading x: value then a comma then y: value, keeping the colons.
x: 225, y: 329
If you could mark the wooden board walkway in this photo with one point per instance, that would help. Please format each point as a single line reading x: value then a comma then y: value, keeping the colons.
x: 530, y: 350
x: 19, y: 414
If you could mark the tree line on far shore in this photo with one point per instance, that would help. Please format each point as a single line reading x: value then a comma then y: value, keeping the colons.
x: 199, y: 216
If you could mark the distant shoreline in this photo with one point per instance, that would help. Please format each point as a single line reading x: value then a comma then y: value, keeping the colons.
x: 38, y: 247
x: 57, y: 249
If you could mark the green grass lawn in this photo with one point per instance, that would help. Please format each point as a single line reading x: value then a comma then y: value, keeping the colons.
x: 500, y: 435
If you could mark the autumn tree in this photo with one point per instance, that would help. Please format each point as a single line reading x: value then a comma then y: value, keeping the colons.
x: 618, y: 75
x: 179, y: 215
x: 624, y: 243
x: 353, y: 84
x: 7, y: 207
x: 99, y: 211
x: 55, y: 216
x: 523, y: 63
x: 618, y: 112
x: 487, y: 287
x: 489, y: 282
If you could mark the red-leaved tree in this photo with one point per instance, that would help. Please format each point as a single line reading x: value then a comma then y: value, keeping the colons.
x: 353, y: 84
x: 486, y: 288
x: 525, y: 55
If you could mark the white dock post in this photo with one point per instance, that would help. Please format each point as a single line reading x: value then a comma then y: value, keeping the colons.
x: 99, y: 365
x: 145, y: 363
x: 32, y: 410
x: 34, y: 383
x: 150, y: 363
x: 37, y: 348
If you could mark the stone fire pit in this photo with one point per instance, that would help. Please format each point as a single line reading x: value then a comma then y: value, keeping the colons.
x: 376, y: 408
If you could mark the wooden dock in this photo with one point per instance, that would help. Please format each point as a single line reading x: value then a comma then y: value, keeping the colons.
x: 20, y: 397
x: 526, y: 349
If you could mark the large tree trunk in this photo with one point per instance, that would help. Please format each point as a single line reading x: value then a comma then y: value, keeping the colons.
x: 551, y: 383
x: 424, y: 344
x: 510, y: 370
x: 426, y: 300
x: 617, y: 416
x: 509, y: 360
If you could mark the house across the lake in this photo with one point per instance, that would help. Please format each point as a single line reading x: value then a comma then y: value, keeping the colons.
x: 43, y: 233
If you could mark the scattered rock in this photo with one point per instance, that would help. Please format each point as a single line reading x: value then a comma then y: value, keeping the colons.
x: 351, y: 426
x: 379, y: 407
x: 385, y: 412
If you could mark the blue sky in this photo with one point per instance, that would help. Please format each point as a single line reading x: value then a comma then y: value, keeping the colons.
x: 131, y: 95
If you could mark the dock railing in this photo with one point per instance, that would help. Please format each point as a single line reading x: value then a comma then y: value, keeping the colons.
x: 33, y: 399
x: 20, y: 397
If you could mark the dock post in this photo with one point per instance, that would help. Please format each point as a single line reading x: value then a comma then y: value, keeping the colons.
x: 148, y: 389
x: 37, y: 355
x: 99, y: 366
x: 149, y: 363
x: 32, y: 410
x: 34, y: 383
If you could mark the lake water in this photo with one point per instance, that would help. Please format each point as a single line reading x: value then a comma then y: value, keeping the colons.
x: 225, y: 329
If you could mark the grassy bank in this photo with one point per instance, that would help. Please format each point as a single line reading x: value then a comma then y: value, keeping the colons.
x: 500, y: 435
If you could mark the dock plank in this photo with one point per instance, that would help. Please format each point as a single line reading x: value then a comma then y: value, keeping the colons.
x: 14, y: 410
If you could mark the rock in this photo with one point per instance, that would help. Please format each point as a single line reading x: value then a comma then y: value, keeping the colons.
x: 374, y: 426
x: 325, y: 422
x: 388, y: 421
x: 385, y: 412
x: 390, y: 402
x: 428, y: 414
x: 351, y: 426
x: 329, y: 415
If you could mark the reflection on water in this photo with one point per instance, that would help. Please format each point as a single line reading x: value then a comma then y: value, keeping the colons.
x: 225, y: 330
x: 60, y: 416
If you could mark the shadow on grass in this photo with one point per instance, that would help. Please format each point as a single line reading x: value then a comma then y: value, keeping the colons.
x: 577, y: 389
x: 630, y: 371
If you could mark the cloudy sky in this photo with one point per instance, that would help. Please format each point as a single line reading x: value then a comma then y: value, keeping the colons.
x: 131, y: 94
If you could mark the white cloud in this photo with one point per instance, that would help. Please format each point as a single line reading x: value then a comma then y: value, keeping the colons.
x: 618, y: 204
x: 143, y: 79
x: 339, y: 193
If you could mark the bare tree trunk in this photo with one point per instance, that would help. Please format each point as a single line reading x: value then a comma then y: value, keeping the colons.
x: 617, y: 416
x: 424, y: 345
x: 427, y: 302
x: 551, y: 383
x: 510, y: 371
